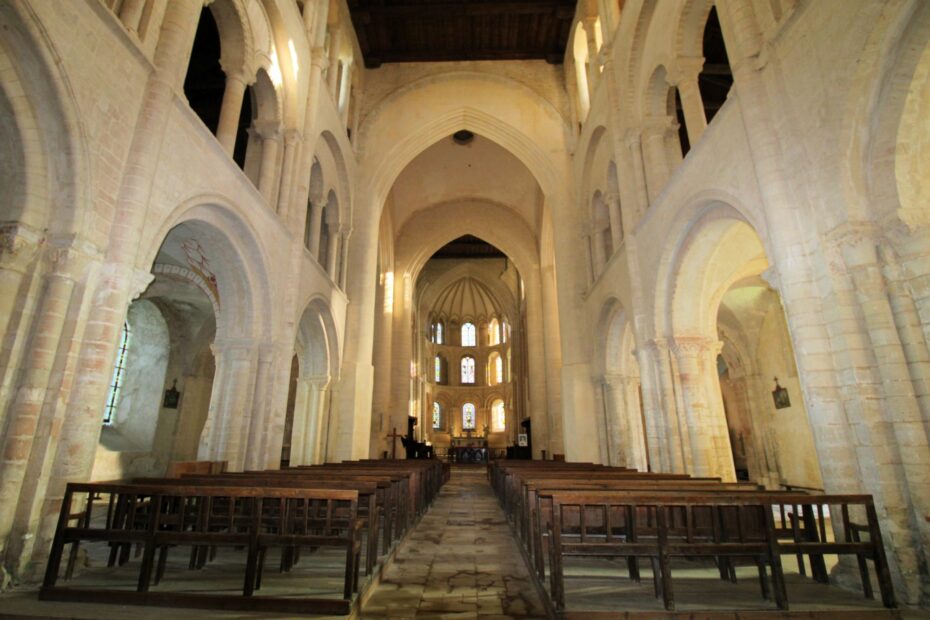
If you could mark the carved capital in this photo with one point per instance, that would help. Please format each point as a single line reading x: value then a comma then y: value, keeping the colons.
x: 684, y: 70
x: 140, y: 281
x: 18, y: 246
x: 267, y: 130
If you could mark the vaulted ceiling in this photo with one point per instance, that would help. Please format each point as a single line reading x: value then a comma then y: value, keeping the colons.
x: 444, y: 30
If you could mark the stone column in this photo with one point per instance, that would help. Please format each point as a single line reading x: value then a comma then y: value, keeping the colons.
x: 332, y: 55
x: 270, y: 136
x: 307, y: 436
x: 600, y: 252
x: 535, y: 363
x: 19, y: 246
x: 618, y: 428
x: 131, y: 14
x: 319, y: 423
x: 344, y: 256
x: 709, y: 450
x: 23, y: 428
x: 228, y: 126
x: 74, y: 454
x: 612, y: 200
x: 671, y: 430
x: 553, y: 361
x: 225, y: 433
x: 332, y: 251
x: 292, y: 144
x: 640, y: 183
x: 684, y: 76
x: 594, y: 73
x: 657, y: 166
x: 316, y: 224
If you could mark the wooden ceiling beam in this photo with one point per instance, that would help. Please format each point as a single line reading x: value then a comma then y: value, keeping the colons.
x: 564, y: 9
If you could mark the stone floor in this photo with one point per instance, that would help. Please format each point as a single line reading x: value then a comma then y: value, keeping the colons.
x: 461, y: 561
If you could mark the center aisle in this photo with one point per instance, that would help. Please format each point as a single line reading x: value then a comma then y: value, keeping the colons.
x: 460, y: 561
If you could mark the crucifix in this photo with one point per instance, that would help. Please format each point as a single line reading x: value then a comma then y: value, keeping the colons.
x: 394, y: 436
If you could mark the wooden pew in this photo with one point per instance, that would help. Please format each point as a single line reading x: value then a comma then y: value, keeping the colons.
x: 183, y: 515
x: 751, y: 533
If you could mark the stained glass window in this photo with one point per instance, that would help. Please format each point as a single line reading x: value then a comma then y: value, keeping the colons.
x: 119, y: 373
x: 468, y: 417
x: 437, y: 415
x: 437, y: 369
x: 498, y: 416
x: 468, y: 370
x: 439, y: 332
x: 468, y: 335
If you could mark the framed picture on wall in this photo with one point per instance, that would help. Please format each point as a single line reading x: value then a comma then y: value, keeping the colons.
x: 522, y: 440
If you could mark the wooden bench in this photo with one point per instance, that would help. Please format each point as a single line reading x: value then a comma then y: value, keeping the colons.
x: 698, y: 523
x: 159, y: 516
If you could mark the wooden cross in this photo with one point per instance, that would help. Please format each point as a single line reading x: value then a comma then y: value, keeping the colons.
x: 393, y: 435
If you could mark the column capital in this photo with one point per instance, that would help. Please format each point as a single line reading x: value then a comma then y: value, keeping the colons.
x: 68, y: 258
x: 267, y: 130
x: 684, y: 70
x: 655, y: 125
x: 292, y: 137
x: 686, y: 346
x: 18, y: 245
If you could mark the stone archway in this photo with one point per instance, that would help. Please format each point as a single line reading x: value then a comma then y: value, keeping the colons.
x: 317, y: 354
x: 624, y: 434
x: 729, y: 339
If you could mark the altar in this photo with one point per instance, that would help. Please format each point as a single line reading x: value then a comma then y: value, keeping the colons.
x: 469, y: 450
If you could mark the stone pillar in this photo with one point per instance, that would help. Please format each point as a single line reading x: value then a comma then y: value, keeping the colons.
x: 671, y: 450
x: 228, y: 126
x: 292, y: 144
x: 19, y: 246
x: 269, y: 407
x: 316, y: 225
x: 657, y: 167
x: 131, y: 14
x: 67, y: 265
x: 332, y: 251
x: 640, y: 187
x: 535, y: 363
x: 319, y: 420
x: 594, y: 73
x: 74, y: 454
x: 684, y: 76
x: 332, y: 55
x: 618, y: 429
x: 612, y: 200
x: 225, y: 433
x: 553, y: 356
x: 343, y: 256
x: 600, y: 252
x: 270, y: 136
x: 706, y: 423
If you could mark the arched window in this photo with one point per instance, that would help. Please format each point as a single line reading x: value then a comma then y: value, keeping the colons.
x: 468, y: 417
x: 437, y: 369
x: 469, y: 333
x: 495, y: 369
x: 119, y: 371
x: 494, y: 332
x: 498, y: 416
x: 468, y: 369
x: 438, y: 333
x: 437, y: 415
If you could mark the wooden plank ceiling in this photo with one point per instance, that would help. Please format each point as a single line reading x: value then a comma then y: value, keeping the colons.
x: 444, y: 30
